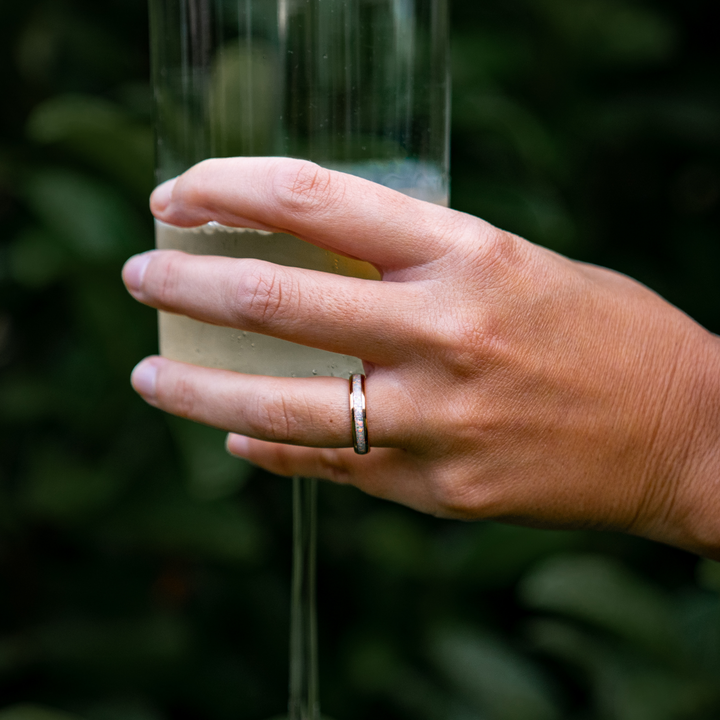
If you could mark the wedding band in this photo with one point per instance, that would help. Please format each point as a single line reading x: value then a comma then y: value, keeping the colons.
x: 358, y: 416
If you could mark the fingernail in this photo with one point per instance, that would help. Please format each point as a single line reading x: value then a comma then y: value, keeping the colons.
x: 144, y: 379
x: 237, y: 445
x: 134, y: 271
x: 161, y: 196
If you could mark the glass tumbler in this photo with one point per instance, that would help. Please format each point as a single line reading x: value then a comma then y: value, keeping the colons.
x: 360, y: 86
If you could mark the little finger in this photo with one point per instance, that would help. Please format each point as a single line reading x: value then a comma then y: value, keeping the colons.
x: 387, y: 473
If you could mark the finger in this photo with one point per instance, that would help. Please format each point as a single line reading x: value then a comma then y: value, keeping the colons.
x: 387, y: 473
x: 362, y: 318
x: 306, y: 411
x: 353, y: 216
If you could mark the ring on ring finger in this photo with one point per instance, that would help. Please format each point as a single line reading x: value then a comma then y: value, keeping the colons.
x: 358, y: 414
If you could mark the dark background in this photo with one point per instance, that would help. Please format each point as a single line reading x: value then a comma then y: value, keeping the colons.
x: 144, y: 574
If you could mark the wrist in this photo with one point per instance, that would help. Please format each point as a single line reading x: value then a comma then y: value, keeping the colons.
x: 692, y: 512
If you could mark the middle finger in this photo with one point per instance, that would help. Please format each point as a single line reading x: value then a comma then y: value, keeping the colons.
x: 364, y: 318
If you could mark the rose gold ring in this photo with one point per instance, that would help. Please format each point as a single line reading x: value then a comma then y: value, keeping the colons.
x: 358, y: 415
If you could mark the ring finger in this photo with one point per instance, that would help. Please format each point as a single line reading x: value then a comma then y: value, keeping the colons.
x: 312, y: 412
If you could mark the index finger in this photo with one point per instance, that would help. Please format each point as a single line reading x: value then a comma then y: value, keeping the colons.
x: 336, y: 211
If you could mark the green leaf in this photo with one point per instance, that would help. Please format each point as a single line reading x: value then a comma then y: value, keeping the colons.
x: 101, y: 134
x: 493, y: 676
x: 91, y: 218
x: 34, y: 712
x: 612, y: 32
x: 599, y: 590
x: 626, y: 685
x: 495, y: 555
x: 570, y: 644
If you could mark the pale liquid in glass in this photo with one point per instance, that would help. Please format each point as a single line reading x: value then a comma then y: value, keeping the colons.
x: 192, y: 341
x: 198, y: 343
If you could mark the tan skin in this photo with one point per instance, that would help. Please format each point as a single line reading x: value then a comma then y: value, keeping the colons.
x: 504, y: 381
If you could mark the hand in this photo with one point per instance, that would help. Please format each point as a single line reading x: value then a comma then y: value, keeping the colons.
x: 504, y: 381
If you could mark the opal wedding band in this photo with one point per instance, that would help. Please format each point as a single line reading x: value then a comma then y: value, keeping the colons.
x: 358, y: 415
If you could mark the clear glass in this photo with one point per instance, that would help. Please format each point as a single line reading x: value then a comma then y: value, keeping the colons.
x: 355, y: 85
x: 360, y: 86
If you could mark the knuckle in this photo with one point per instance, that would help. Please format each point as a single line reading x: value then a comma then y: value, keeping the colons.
x: 165, y: 279
x: 264, y: 294
x: 472, y: 328
x: 460, y: 341
x: 272, y: 419
x: 458, y: 496
x: 193, y: 186
x: 185, y: 400
x: 489, y: 257
x: 500, y: 249
x: 427, y: 323
x: 454, y: 227
x: 285, y: 463
x: 478, y: 345
x: 302, y: 186
x: 334, y: 466
x: 444, y: 489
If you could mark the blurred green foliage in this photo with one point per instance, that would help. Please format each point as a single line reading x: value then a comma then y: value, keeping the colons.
x: 144, y: 574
